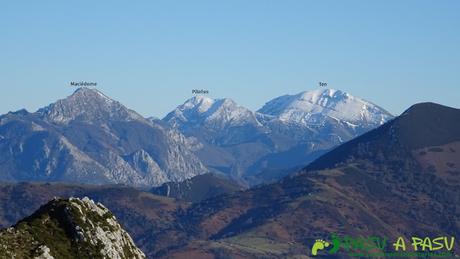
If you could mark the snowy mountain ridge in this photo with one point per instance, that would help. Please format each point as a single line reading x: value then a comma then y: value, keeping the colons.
x: 217, y: 112
x: 90, y: 138
x: 287, y: 132
x: 304, y: 108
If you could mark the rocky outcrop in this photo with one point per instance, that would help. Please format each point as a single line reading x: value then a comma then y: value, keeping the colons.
x: 71, y: 228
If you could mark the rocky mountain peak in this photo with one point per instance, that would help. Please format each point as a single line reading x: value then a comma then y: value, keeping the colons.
x: 89, y: 105
x: 85, y: 92
x: 90, y: 138
x: 69, y: 228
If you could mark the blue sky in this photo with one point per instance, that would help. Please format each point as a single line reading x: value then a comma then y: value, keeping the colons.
x: 150, y: 54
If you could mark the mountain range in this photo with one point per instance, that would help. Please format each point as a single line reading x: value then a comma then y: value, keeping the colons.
x: 286, y: 134
x: 400, y: 179
x: 90, y: 138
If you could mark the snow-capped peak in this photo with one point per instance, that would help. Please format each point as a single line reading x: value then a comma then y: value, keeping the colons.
x: 312, y: 107
x: 205, y: 110
x: 321, y: 96
x: 200, y: 103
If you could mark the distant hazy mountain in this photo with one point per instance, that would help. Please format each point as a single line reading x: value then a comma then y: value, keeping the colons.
x: 284, y: 135
x: 90, y: 138
x: 68, y: 228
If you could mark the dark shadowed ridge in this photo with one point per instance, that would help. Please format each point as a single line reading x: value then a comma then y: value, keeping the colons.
x: 422, y: 125
x: 198, y: 188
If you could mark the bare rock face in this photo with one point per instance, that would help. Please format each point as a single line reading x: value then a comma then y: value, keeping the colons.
x: 87, y: 105
x: 71, y: 228
x: 90, y: 138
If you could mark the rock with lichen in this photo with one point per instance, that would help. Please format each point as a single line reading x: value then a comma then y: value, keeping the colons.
x: 68, y: 228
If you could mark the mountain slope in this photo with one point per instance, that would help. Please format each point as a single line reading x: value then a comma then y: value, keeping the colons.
x: 385, y: 183
x: 401, y: 179
x: 70, y: 228
x: 422, y: 126
x: 89, y: 138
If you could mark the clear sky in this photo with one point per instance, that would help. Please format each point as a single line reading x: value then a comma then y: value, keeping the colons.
x: 149, y: 55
